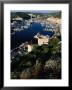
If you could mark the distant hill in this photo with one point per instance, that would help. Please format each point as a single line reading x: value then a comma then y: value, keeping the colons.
x: 23, y: 15
x: 55, y: 14
x: 26, y: 16
x: 50, y: 14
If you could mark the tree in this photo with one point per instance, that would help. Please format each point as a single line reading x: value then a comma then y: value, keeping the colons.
x: 52, y: 69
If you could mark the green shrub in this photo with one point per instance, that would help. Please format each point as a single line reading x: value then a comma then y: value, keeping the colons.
x: 52, y: 69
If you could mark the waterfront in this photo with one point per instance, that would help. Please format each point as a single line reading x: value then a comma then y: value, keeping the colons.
x: 26, y: 35
x: 35, y: 45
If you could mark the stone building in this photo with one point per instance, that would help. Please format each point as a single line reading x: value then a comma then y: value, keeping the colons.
x: 43, y: 40
x: 40, y: 40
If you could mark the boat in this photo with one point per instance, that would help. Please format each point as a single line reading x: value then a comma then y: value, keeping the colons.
x: 18, y: 29
x: 26, y: 26
x: 42, y: 24
x: 37, y: 35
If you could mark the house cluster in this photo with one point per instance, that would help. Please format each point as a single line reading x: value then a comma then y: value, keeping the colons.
x: 19, y: 24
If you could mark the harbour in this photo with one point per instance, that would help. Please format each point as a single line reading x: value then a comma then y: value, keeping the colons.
x: 28, y: 34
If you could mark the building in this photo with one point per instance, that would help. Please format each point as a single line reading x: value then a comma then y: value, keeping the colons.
x: 54, y: 20
x: 43, y: 40
x: 39, y: 39
x: 18, y: 18
x: 30, y: 47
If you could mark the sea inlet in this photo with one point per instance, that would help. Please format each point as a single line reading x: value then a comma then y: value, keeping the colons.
x: 28, y: 34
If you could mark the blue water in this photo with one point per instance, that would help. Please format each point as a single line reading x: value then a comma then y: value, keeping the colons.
x: 28, y: 34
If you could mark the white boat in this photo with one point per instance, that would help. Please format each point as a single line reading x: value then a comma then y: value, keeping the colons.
x: 37, y: 35
x: 17, y: 29
x: 42, y: 24
x: 26, y: 26
x: 47, y: 26
x: 22, y: 27
x: 46, y: 29
x: 28, y: 23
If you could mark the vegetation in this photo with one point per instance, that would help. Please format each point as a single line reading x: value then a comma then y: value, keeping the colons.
x: 43, y: 62
x: 23, y: 15
x: 26, y: 16
x: 55, y: 14
x: 52, y: 69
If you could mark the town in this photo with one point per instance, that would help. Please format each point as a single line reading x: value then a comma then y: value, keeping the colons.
x: 41, y: 56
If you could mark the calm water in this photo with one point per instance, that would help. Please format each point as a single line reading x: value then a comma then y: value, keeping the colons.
x: 28, y: 34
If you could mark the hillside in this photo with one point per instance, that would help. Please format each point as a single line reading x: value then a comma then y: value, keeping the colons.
x: 55, y: 14
x: 23, y: 15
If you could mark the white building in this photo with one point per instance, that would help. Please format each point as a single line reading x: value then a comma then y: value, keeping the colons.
x: 18, y: 18
x: 30, y: 47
